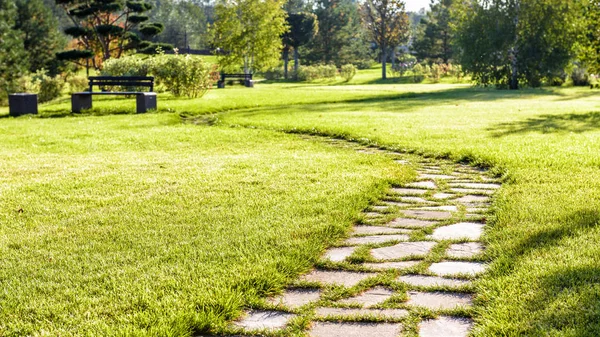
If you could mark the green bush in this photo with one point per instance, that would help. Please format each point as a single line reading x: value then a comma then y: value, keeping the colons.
x: 127, y: 66
x: 184, y: 75
x: 274, y: 74
x: 348, y: 71
x: 436, y: 72
x: 364, y: 64
x: 311, y: 73
x: 418, y: 73
x: 327, y: 71
x: 580, y: 77
x: 76, y: 83
x: 47, y: 87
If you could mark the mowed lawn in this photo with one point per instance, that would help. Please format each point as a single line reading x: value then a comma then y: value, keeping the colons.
x: 544, y: 235
x: 106, y: 203
x: 141, y: 225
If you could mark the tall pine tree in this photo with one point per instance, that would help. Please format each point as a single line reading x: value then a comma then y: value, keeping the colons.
x: 12, y: 54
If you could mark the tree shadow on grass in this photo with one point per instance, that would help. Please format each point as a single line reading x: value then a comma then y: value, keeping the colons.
x: 546, y: 124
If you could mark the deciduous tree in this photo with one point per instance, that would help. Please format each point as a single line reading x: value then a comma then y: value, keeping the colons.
x: 12, y: 54
x: 388, y: 25
x: 303, y: 27
x: 434, y: 36
x: 248, y: 33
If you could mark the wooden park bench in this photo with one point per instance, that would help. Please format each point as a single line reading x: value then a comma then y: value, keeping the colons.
x: 144, y: 100
x: 247, y: 78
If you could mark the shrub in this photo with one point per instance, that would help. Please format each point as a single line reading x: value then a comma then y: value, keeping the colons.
x: 308, y: 73
x: 348, y: 71
x: 327, y: 71
x: 580, y: 77
x: 363, y: 64
x: 127, y: 66
x: 47, y: 87
x: 183, y: 75
x: 76, y: 84
x: 418, y: 75
x: 436, y: 72
x: 456, y: 71
x: 274, y: 74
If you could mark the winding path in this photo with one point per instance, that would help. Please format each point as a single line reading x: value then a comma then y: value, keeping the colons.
x: 408, y: 268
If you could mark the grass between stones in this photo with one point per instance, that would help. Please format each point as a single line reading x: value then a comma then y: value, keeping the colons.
x: 542, y: 235
x: 145, y: 226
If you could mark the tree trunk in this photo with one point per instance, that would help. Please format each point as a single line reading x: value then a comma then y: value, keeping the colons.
x: 296, y: 62
x: 514, y: 79
x: 383, y: 62
x: 286, y: 57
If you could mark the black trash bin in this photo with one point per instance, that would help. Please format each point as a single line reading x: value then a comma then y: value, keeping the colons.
x: 22, y: 104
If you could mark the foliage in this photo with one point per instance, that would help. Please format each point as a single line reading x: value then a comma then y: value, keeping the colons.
x: 76, y: 83
x: 182, y: 75
x: 589, y: 44
x: 434, y: 35
x: 347, y: 72
x: 404, y: 63
x: 341, y: 38
x: 418, y: 73
x: 363, y: 64
x: 12, y: 54
x: 528, y: 41
x: 274, y: 74
x: 41, y: 36
x: 107, y: 28
x: 248, y: 34
x: 185, y: 23
x: 387, y: 24
x: 316, y: 72
x: 302, y: 28
x: 47, y: 87
x: 580, y: 76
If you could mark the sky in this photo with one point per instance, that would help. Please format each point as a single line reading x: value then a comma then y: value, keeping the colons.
x: 415, y: 5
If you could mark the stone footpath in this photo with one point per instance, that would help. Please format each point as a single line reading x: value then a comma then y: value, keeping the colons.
x: 407, y: 269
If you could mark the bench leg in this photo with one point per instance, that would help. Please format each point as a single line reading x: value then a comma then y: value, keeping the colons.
x: 80, y: 101
x: 146, y: 101
x: 221, y: 84
x: 249, y: 83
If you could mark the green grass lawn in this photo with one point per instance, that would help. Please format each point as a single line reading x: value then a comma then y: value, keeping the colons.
x: 143, y: 224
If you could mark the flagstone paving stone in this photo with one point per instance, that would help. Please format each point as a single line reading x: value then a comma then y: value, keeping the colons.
x: 448, y: 208
x: 436, y: 176
x: 443, y: 195
x: 465, y: 250
x: 343, y: 278
x: 435, y: 215
x: 431, y: 281
x: 259, y: 319
x: 484, y: 186
x: 471, y: 191
x: 344, y: 329
x: 409, y: 191
x: 380, y: 208
x: 411, y: 223
x: 370, y: 297
x: 363, y: 230
x: 397, y: 204
x: 296, y: 298
x: 445, y: 326
x: 473, y: 199
x: 402, y: 250
x: 375, y: 239
x: 373, y: 215
x: 423, y: 184
x: 415, y: 200
x: 439, y: 300
x: 462, y: 230
x: 349, y: 313
x: 339, y: 254
x: 451, y: 268
x: 391, y: 265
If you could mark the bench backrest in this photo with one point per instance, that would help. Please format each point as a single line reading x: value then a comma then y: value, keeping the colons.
x: 124, y: 81
x: 244, y: 76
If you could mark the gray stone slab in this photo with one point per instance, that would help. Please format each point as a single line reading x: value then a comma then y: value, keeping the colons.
x: 462, y: 230
x: 447, y: 208
x: 427, y: 215
x: 465, y: 250
x: 365, y: 230
x: 445, y: 326
x: 443, y: 195
x: 296, y: 298
x: 411, y: 223
x: 397, y: 204
x: 430, y: 185
x: 479, y: 186
x: 391, y: 265
x: 439, y: 300
x: 436, y: 176
x: 380, y: 208
x: 373, y: 215
x: 376, y: 239
x: 471, y: 199
x: 416, y: 200
x: 259, y: 319
x: 339, y: 254
x: 343, y: 278
x: 370, y: 297
x: 345, y: 329
x: 471, y: 191
x: 402, y: 250
x: 408, y: 191
x: 431, y: 281
x: 350, y: 313
x: 452, y: 268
